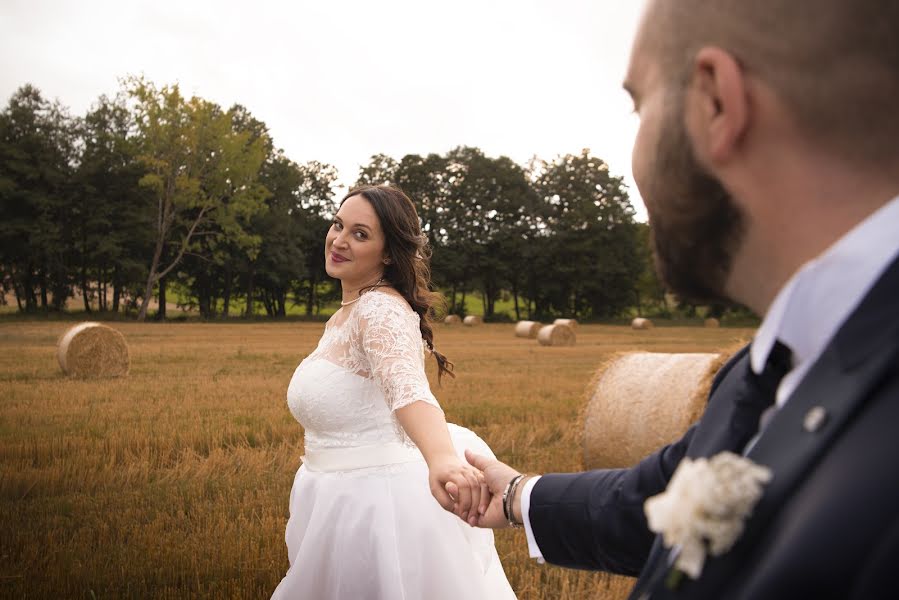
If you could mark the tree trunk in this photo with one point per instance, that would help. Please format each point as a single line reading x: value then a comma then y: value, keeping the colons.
x: 227, y: 297
x: 266, y: 301
x: 160, y: 312
x: 310, y: 296
x: 151, y: 281
x: 60, y: 293
x: 84, y: 289
x: 16, y: 293
x: 251, y: 277
x: 275, y: 298
x: 515, y: 299
x: 145, y: 301
x: 452, y: 309
x: 28, y: 289
x: 43, y: 282
x: 204, y: 297
x: 491, y: 301
x: 101, y: 289
x: 282, y: 303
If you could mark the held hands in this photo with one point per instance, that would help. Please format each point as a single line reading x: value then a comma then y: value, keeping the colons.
x: 497, y: 476
x: 459, y: 488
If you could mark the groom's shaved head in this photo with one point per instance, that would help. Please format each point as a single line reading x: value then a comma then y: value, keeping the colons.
x: 834, y: 63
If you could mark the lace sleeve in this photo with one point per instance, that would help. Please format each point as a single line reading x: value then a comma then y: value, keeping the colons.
x: 391, y: 341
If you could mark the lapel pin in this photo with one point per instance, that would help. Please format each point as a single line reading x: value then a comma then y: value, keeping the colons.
x: 814, y: 419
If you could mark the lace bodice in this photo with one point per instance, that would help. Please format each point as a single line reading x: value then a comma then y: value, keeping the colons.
x: 368, y: 363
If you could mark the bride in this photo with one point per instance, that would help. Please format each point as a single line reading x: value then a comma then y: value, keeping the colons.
x: 369, y: 505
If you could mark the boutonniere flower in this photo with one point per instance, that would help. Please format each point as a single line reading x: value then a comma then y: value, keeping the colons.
x: 705, y: 506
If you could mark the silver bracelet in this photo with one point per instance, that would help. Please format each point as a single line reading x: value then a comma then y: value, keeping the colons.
x: 508, y: 501
x: 507, y: 498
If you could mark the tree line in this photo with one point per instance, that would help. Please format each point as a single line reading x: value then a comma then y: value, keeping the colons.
x: 152, y: 190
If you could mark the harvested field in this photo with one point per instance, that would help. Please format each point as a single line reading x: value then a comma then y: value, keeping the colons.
x: 174, y: 481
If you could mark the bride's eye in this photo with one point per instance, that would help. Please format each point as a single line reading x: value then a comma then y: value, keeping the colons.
x: 361, y: 235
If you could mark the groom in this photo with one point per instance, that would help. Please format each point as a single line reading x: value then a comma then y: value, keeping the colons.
x: 768, y: 158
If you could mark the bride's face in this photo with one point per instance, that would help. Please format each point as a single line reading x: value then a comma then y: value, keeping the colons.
x: 355, y: 244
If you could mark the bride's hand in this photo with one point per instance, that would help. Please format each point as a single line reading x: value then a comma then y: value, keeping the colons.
x: 459, y: 487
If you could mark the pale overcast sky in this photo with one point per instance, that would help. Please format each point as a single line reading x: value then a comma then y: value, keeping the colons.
x: 339, y: 81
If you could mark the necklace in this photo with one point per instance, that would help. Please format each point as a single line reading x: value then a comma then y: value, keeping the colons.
x: 356, y: 299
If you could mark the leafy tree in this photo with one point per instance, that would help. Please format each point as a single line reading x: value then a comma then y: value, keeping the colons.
x: 380, y: 170
x: 312, y: 214
x: 113, y: 216
x: 37, y: 158
x: 592, y: 258
x: 282, y: 258
x: 222, y: 262
x: 492, y: 201
x: 202, y: 168
x: 650, y: 290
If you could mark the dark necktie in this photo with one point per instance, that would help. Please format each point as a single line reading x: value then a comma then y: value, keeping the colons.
x: 779, y: 363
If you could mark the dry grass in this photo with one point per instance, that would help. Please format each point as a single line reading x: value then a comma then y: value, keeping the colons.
x: 173, y: 482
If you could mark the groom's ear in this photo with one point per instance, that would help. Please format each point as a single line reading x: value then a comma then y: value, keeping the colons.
x: 717, y: 106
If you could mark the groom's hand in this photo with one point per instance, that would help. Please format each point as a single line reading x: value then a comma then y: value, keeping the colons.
x: 497, y: 475
x: 458, y: 487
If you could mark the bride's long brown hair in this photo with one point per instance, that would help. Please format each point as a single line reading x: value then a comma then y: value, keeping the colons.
x: 409, y: 269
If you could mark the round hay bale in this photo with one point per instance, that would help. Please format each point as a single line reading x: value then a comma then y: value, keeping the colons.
x: 556, y: 335
x: 452, y: 320
x: 472, y: 320
x: 93, y: 350
x: 712, y: 322
x: 527, y: 329
x: 641, y: 323
x: 570, y: 322
x: 642, y: 401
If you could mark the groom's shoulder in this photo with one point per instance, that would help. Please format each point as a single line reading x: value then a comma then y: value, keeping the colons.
x: 734, y: 365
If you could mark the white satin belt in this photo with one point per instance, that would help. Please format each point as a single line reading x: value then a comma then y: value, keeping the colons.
x: 359, y: 457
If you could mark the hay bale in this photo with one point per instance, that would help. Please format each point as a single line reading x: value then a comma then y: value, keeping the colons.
x: 556, y: 335
x: 642, y: 401
x: 569, y: 322
x: 527, y: 329
x: 93, y: 350
x: 452, y: 320
x: 472, y: 320
x: 712, y: 322
x: 641, y: 323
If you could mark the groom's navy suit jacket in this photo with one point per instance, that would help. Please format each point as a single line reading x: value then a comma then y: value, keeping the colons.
x: 827, y: 525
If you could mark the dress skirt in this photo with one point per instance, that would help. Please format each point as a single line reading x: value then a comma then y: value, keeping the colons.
x: 378, y: 533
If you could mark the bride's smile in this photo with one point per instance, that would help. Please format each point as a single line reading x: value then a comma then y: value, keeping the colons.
x: 355, y: 247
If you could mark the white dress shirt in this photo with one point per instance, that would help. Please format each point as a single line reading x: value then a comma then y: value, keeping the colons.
x: 809, y: 310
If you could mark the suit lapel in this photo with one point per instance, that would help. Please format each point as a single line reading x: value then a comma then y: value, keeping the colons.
x: 729, y: 423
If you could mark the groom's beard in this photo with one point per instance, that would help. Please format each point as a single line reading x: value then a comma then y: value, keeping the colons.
x: 695, y: 226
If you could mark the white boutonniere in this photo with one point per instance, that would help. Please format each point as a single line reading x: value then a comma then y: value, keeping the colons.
x: 705, y: 506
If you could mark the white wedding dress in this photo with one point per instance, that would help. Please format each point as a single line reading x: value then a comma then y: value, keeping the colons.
x: 363, y: 523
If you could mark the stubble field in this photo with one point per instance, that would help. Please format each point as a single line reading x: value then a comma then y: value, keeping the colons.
x: 174, y: 481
